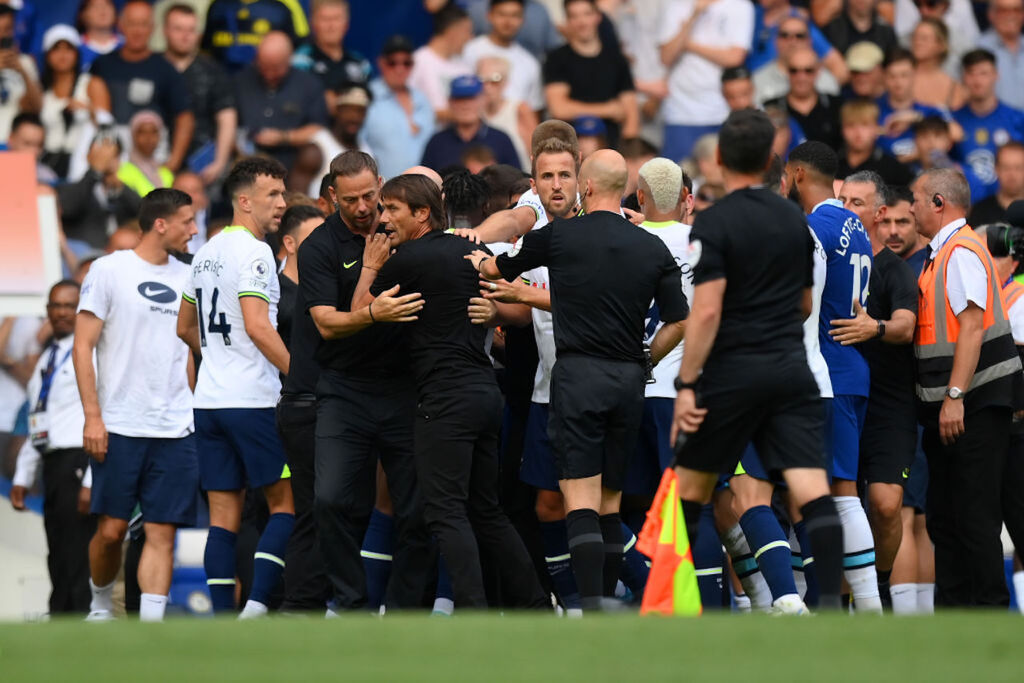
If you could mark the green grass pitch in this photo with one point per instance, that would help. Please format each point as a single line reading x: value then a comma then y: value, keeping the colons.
x: 971, y: 647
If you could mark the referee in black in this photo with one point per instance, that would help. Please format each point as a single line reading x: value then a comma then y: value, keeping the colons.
x: 604, y: 274
x: 365, y: 397
x: 744, y: 376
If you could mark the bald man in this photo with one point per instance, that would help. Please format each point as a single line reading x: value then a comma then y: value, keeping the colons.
x: 281, y: 107
x: 597, y: 385
x: 429, y: 172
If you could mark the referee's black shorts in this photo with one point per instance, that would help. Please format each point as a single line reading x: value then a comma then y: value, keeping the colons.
x: 597, y: 406
x: 772, y: 402
x: 888, y: 444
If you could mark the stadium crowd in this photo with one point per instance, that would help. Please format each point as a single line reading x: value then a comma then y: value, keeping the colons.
x: 398, y: 435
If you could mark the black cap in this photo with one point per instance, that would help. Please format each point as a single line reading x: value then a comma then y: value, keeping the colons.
x: 735, y: 73
x: 1015, y: 213
x: 396, y: 43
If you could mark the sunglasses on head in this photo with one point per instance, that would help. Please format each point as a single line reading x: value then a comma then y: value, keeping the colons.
x: 785, y: 35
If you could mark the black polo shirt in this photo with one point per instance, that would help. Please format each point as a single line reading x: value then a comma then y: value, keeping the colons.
x: 302, y: 341
x: 446, y: 349
x: 821, y: 123
x: 330, y: 261
x: 351, y: 69
x: 887, y: 166
x: 604, y: 272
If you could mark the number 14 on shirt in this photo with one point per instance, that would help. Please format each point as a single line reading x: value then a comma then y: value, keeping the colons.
x: 217, y: 322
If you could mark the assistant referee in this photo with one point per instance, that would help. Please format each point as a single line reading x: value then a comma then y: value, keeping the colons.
x: 597, y: 384
x: 745, y: 377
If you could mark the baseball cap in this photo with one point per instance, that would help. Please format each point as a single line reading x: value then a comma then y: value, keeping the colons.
x: 58, y: 33
x: 396, y: 43
x: 466, y: 86
x: 355, y: 96
x: 589, y: 125
x: 864, y: 56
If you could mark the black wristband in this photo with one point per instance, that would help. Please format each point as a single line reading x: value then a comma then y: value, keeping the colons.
x: 481, y: 262
x: 680, y: 384
x: 369, y: 309
x: 881, y: 329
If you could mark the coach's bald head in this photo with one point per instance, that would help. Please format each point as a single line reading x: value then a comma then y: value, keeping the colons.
x: 429, y: 172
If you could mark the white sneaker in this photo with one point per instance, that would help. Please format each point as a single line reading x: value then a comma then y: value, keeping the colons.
x: 790, y: 605
x: 100, y: 615
x: 253, y: 610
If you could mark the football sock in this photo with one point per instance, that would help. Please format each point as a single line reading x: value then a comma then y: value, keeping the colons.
x: 556, y: 555
x: 611, y: 532
x: 219, y: 563
x: 904, y: 598
x: 152, y: 607
x: 771, y: 549
x: 758, y: 594
x: 1018, y: 589
x: 586, y: 553
x: 708, y: 560
x: 691, y: 518
x: 810, y: 573
x: 884, y: 590
x: 268, y: 562
x: 926, y: 598
x: 444, y: 595
x: 634, y: 565
x: 102, y: 597
x: 378, y: 545
x: 859, y: 554
x: 796, y: 561
x: 825, y: 541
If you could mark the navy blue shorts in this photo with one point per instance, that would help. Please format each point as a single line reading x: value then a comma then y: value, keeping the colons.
x: 239, y: 445
x: 653, y: 451
x: 915, y: 490
x: 538, y: 469
x: 847, y: 424
x: 159, y: 475
x: 750, y: 463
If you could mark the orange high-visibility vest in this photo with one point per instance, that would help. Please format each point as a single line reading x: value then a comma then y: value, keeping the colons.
x: 938, y: 330
x: 1012, y: 291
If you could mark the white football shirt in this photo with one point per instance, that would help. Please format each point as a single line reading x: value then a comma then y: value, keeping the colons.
x: 141, y: 365
x: 815, y: 359
x: 676, y: 237
x: 234, y: 373
x: 543, y: 323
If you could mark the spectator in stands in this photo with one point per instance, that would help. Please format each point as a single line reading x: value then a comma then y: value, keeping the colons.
x: 280, y: 107
x: 1010, y: 183
x: 771, y: 80
x: 988, y: 123
x: 591, y: 134
x: 72, y: 99
x: 348, y: 114
x: 697, y: 41
x: 97, y: 24
x: 859, y: 119
x: 141, y: 172
x: 738, y: 88
x: 400, y: 120
x: 898, y: 110
x: 235, y: 27
x: 522, y: 81
x: 138, y: 79
x: 1005, y: 42
x: 817, y: 114
x: 538, y: 35
x: 934, y: 145
x: 867, y: 79
x: 19, y: 80
x: 439, y: 62
x: 28, y: 135
x: 770, y: 15
x: 637, y: 152
x: 514, y: 117
x: 324, y: 54
x: 95, y: 205
x: 192, y: 184
x: 213, y: 99
x: 932, y: 85
x: 858, y: 22
x: 467, y: 128
x: 957, y: 15
x: 587, y: 77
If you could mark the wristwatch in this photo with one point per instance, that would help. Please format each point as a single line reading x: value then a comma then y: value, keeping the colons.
x: 881, y: 329
x: 955, y: 393
x: 679, y: 384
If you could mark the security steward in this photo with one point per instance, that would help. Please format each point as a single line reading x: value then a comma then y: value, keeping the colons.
x: 597, y: 384
x: 366, y: 399
x: 966, y: 365
x: 745, y: 376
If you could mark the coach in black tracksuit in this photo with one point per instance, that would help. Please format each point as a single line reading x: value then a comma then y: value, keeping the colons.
x: 459, y: 405
x: 604, y: 274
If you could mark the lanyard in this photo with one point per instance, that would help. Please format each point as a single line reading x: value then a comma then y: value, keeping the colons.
x: 48, y: 374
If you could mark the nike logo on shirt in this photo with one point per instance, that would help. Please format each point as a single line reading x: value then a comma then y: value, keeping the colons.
x: 152, y: 292
x: 349, y: 265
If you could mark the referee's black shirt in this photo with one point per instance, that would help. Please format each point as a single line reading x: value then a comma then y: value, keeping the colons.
x: 604, y: 272
x: 330, y: 261
x: 446, y: 349
x: 761, y: 244
x: 893, y: 286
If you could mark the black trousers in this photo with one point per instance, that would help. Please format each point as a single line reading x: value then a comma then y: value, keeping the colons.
x: 1013, y: 492
x: 67, y: 532
x: 305, y: 581
x: 965, y: 511
x: 359, y: 420
x: 457, y: 464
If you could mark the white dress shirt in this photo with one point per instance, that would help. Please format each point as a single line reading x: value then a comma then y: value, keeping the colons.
x: 63, y: 409
x: 966, y: 278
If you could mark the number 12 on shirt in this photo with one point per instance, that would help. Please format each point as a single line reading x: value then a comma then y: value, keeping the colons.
x: 217, y: 322
x: 861, y: 264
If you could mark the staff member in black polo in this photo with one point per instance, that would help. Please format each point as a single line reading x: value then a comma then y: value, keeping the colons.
x: 365, y: 396
x: 604, y: 273
x: 753, y: 273
x: 459, y: 409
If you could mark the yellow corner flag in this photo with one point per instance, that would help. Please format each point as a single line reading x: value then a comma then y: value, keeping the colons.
x: 672, y: 584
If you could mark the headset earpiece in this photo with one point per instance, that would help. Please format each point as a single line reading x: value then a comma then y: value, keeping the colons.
x: 937, y: 200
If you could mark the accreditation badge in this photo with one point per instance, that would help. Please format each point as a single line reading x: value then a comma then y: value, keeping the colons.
x: 39, y: 429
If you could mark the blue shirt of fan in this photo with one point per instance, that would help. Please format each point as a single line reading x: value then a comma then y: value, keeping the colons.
x: 762, y: 49
x: 849, y: 261
x: 983, y: 135
x: 903, y: 144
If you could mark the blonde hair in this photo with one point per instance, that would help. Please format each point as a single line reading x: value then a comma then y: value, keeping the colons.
x: 663, y: 180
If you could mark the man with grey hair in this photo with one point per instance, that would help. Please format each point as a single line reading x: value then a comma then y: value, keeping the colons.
x: 966, y: 366
x: 883, y: 331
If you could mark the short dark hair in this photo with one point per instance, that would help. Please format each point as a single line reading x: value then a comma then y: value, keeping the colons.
x: 745, y: 141
x: 636, y: 148
x: 773, y: 175
x: 931, y: 124
x: 325, y: 184
x: 899, y: 54
x: 687, y: 181
x: 566, y: 3
x: 735, y: 73
x: 977, y: 56
x: 894, y: 194
x: 817, y: 156
x: 162, y: 202
x: 63, y: 283
x: 181, y: 7
x: 1011, y: 146
x: 494, y: 3
x: 6, y: 11
x: 26, y: 118
x: 418, y: 192
x: 296, y: 216
x: 352, y: 163
x: 244, y: 173
x: 464, y: 192
x: 448, y: 16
